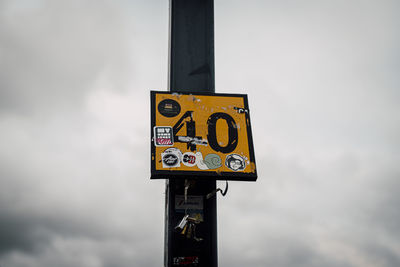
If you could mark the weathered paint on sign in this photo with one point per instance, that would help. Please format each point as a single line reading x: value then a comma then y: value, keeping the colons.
x: 206, y: 135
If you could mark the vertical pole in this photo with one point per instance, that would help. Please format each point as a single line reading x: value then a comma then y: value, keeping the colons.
x: 191, y: 69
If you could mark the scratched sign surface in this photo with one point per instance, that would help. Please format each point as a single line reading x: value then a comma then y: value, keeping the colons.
x: 201, y: 135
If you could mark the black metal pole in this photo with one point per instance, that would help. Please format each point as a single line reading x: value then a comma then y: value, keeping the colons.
x: 191, y: 69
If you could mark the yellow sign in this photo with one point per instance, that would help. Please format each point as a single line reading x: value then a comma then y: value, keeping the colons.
x: 201, y: 135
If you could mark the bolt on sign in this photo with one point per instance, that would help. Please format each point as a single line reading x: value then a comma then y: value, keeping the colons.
x: 201, y: 135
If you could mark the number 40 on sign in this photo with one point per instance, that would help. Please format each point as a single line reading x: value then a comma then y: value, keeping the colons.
x: 201, y: 135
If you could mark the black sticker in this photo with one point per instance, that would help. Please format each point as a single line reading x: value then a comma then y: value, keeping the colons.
x: 170, y: 160
x: 169, y: 108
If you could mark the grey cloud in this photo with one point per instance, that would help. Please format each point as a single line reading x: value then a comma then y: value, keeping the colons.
x: 45, y: 186
x: 53, y: 52
x: 382, y: 214
x: 15, y: 234
x: 72, y: 137
x: 311, y: 217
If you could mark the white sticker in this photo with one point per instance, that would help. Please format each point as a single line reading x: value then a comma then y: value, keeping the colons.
x: 163, y: 136
x: 235, y: 162
x: 189, y: 159
x: 171, y: 158
x: 192, y: 202
x: 200, y: 162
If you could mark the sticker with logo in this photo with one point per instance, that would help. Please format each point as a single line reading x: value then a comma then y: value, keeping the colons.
x: 171, y: 158
x: 210, y: 162
x: 200, y: 162
x: 163, y: 136
x: 188, y: 260
x: 213, y: 161
x: 189, y: 159
x: 169, y: 108
x: 235, y: 162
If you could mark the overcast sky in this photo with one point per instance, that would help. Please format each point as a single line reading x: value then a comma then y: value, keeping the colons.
x: 324, y: 87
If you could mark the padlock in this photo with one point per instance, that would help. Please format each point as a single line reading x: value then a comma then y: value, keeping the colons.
x: 184, y: 230
x: 181, y: 225
x: 195, y: 220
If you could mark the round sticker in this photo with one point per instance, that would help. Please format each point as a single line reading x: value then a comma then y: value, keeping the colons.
x: 171, y: 157
x: 213, y: 161
x: 170, y: 160
x: 169, y: 108
x: 235, y: 162
x: 189, y: 159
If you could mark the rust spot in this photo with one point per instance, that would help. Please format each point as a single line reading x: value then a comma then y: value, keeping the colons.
x: 252, y: 167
